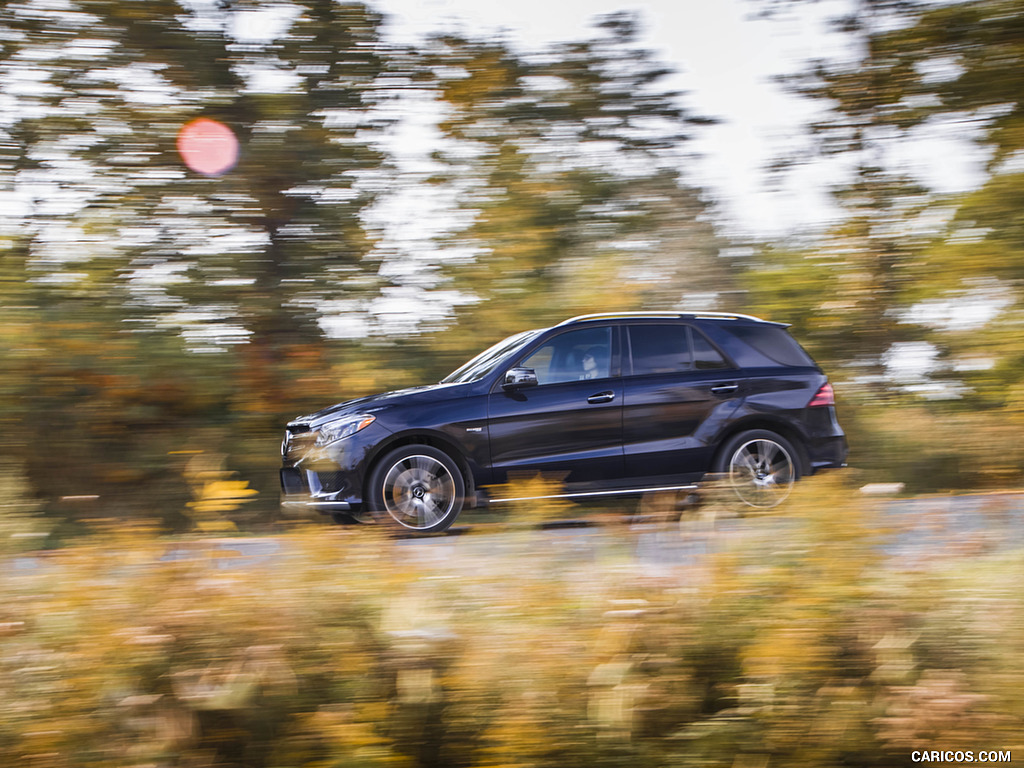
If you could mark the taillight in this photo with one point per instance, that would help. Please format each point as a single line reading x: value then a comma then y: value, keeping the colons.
x: 824, y: 396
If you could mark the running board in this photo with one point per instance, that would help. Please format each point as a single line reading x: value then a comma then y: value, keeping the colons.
x: 629, y: 492
x: 342, y: 505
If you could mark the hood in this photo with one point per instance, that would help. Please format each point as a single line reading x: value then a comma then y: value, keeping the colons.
x: 376, y: 403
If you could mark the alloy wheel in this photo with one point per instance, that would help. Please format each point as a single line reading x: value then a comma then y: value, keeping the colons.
x: 419, y: 492
x: 761, y: 472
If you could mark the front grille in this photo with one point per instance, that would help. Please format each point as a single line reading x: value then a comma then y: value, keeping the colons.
x: 297, y: 445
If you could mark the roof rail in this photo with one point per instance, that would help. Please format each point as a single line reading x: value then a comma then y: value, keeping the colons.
x: 697, y: 314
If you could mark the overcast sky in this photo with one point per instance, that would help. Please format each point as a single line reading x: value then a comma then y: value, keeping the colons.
x: 726, y: 60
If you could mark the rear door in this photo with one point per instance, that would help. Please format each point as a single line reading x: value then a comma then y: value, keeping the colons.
x: 570, y: 425
x: 678, y: 389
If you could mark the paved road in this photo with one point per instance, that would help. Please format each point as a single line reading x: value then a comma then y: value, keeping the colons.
x: 918, y: 530
x: 914, y: 531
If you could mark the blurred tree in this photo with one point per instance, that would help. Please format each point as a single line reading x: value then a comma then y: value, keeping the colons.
x: 570, y: 163
x: 957, y: 66
x: 858, y: 277
x: 141, y: 264
x: 848, y: 293
x: 151, y: 310
x: 962, y: 64
x: 907, y: 264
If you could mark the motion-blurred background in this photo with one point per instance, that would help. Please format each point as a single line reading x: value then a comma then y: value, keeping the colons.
x: 217, y: 215
x: 395, y: 200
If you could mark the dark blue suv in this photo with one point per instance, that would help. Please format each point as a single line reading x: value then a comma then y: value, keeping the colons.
x: 625, y: 403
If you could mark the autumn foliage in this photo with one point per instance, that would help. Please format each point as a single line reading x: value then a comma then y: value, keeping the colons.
x: 798, y: 638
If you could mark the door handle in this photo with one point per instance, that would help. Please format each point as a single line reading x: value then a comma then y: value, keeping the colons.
x: 724, y: 389
x: 601, y: 397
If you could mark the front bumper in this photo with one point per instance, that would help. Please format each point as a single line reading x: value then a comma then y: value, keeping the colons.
x: 317, y: 490
x: 328, y: 478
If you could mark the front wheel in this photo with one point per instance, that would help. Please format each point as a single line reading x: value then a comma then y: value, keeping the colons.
x: 418, y: 487
x: 760, y: 466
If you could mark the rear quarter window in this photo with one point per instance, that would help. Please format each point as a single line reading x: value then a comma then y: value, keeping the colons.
x: 774, y: 343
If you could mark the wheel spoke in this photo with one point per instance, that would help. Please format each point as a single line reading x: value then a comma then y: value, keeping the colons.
x: 746, y: 461
x: 764, y: 454
x: 761, y: 472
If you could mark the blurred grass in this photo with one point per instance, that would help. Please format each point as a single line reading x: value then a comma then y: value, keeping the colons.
x: 797, y: 641
x: 934, y: 449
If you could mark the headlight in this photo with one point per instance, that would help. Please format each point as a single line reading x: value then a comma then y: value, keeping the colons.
x: 333, y: 431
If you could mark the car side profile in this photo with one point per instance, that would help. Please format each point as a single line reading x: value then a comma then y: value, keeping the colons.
x: 612, y: 404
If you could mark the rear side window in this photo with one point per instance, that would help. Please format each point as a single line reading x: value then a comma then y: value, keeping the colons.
x: 705, y: 356
x: 659, y: 349
x: 671, y: 349
x: 773, y: 342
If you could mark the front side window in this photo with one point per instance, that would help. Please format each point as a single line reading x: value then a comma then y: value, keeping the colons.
x: 573, y: 356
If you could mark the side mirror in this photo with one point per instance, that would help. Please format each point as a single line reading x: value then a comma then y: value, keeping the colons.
x: 520, y: 378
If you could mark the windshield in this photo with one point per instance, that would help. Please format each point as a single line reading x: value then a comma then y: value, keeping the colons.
x: 487, y: 361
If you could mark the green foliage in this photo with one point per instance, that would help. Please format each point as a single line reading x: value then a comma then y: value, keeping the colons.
x: 21, y: 526
x: 906, y: 264
x: 570, y: 165
x: 147, y: 311
x: 798, y: 644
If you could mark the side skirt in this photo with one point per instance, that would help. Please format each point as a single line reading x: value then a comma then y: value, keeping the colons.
x: 628, y: 492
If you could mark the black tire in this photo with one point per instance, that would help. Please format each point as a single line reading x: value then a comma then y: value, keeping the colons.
x: 417, y: 488
x: 760, y: 466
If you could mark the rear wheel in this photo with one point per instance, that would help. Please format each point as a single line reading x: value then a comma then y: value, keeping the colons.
x: 417, y: 487
x: 760, y: 466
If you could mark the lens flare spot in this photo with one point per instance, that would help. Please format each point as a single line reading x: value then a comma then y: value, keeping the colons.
x: 207, y: 146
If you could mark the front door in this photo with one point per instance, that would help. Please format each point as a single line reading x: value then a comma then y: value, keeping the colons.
x: 570, y: 425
